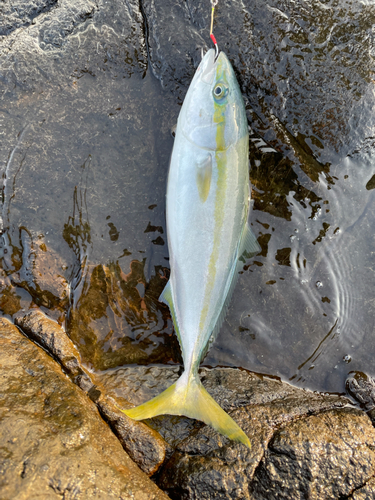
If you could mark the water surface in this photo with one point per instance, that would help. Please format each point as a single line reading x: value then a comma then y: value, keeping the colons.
x: 84, y: 155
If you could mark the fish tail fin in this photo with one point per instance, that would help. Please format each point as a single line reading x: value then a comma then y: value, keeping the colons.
x: 188, y: 397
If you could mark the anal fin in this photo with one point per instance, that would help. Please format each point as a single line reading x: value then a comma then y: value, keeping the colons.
x: 167, y: 298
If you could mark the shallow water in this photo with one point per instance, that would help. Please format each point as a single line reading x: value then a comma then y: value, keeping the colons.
x: 85, y: 161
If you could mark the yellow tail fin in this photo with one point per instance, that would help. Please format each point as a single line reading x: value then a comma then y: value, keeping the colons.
x: 188, y: 397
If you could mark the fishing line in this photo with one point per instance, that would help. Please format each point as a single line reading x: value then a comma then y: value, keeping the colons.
x: 212, y: 36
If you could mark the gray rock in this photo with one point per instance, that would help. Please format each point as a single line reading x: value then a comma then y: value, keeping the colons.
x: 362, y: 387
x: 20, y: 13
x: 53, y: 442
x: 325, y: 456
x: 323, y: 51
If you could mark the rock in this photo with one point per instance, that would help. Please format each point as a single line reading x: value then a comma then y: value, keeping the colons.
x: 22, y: 13
x: 137, y: 384
x: 367, y: 492
x: 53, y: 442
x: 325, y: 456
x: 52, y: 337
x: 10, y: 301
x: 112, y: 310
x: 305, y: 53
x: 144, y: 445
x: 362, y: 387
x: 42, y: 274
x: 302, y: 442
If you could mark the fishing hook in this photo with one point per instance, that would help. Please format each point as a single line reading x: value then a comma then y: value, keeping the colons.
x: 213, y: 5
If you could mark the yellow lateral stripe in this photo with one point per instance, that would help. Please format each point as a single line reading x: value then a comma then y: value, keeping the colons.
x: 221, y: 157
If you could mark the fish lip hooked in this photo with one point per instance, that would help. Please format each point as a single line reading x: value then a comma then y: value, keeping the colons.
x: 208, y: 67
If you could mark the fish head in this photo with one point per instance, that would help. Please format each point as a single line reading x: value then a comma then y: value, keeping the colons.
x: 213, y: 113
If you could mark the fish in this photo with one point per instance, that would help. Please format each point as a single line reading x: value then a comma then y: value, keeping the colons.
x: 207, y: 209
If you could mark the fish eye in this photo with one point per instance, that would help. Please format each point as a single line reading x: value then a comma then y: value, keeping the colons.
x: 220, y: 91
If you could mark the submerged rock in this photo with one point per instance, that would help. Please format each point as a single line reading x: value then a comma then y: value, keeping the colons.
x: 53, y: 442
x: 110, y: 324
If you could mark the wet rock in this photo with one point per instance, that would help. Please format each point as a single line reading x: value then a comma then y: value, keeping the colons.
x: 110, y: 324
x: 362, y: 388
x: 137, y: 384
x: 52, y: 337
x: 323, y: 51
x: 22, y: 13
x: 325, y: 456
x: 325, y: 439
x: 39, y: 270
x: 51, y: 29
x: 53, y: 442
x: 174, y: 63
x: 207, y: 465
x: 367, y: 492
x: 144, y: 445
x: 10, y: 301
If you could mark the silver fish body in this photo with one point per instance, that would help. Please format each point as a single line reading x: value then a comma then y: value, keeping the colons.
x: 207, y: 211
x: 207, y: 202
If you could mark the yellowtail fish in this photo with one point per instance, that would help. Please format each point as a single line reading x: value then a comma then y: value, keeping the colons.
x: 208, y: 200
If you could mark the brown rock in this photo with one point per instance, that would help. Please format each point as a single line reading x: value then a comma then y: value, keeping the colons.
x: 42, y: 273
x: 111, y: 309
x: 52, y: 337
x: 53, y: 443
x: 144, y: 445
x: 367, y: 492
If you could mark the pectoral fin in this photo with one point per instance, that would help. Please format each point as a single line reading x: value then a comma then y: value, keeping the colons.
x: 203, y: 177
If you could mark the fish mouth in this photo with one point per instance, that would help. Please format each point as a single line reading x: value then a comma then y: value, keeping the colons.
x: 208, y: 67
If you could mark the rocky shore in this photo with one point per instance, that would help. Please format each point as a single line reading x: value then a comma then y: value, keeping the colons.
x: 78, y: 113
x: 62, y: 432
